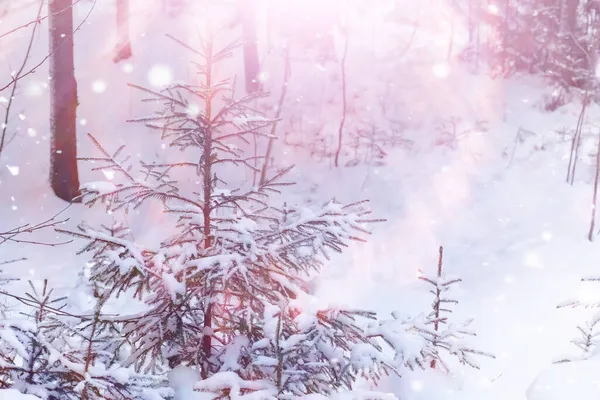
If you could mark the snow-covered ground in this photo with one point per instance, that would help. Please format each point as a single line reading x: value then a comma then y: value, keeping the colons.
x: 496, y: 198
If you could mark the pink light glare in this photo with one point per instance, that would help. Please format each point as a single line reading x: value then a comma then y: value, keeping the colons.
x: 446, y: 193
x: 311, y: 18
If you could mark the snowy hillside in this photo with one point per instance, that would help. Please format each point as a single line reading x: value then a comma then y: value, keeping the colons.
x: 464, y: 161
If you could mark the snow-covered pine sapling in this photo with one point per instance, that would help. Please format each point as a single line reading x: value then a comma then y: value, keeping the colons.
x: 444, y: 336
x: 587, y: 341
x: 590, y: 333
x: 225, y: 291
x: 440, y: 286
x: 58, y: 355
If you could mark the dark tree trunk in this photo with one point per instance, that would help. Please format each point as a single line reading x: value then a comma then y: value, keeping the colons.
x: 123, y: 47
x: 570, y: 17
x: 251, y: 61
x: 63, y: 102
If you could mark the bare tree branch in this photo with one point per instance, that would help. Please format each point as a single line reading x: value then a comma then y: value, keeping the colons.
x: 17, y: 75
x: 39, y: 64
x: 13, y: 235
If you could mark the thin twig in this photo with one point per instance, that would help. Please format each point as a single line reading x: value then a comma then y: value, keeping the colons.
x: 595, y: 195
x: 27, y: 24
x: 344, y: 103
x: 284, y: 87
x: 39, y: 64
x: 18, y: 74
x: 10, y: 235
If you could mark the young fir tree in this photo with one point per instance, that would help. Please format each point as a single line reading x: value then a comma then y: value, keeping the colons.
x: 446, y: 339
x: 589, y: 333
x: 226, y: 292
x: 56, y: 355
x: 587, y: 342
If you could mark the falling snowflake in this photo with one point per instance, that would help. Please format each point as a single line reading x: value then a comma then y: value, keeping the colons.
x: 193, y: 110
x: 31, y: 132
x: 160, y: 75
x: 13, y: 169
x: 417, y: 385
x: 532, y: 260
x: 35, y: 89
x: 547, y: 236
x: 99, y: 86
x: 83, y: 122
x: 263, y: 77
x: 128, y: 68
x: 109, y: 174
x: 441, y: 70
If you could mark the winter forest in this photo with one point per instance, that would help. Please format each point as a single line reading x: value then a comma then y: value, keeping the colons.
x: 299, y: 199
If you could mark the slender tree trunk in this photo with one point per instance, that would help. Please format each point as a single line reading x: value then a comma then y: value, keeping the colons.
x: 123, y: 47
x: 576, y: 142
x: 570, y: 8
x: 251, y: 61
x: 207, y: 187
x: 63, y: 102
x: 286, y: 77
x: 570, y: 36
x: 344, y: 103
x: 451, y: 42
x: 17, y: 76
x: 505, y: 24
x: 438, y: 294
x: 595, y: 196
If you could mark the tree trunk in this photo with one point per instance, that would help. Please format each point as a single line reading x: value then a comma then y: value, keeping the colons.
x: 595, y: 195
x: 207, y: 177
x: 123, y: 47
x: 569, y: 19
x: 251, y: 61
x: 63, y: 102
